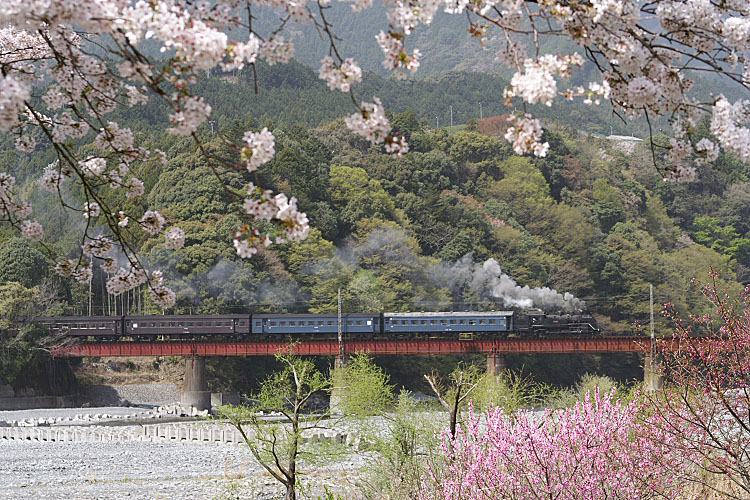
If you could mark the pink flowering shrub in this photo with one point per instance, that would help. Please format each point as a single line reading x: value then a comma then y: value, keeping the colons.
x: 599, y: 449
x: 707, y: 363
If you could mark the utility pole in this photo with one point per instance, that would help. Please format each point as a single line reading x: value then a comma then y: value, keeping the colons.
x: 91, y: 277
x: 341, y: 337
x: 339, y: 329
x: 437, y: 123
x: 480, y: 110
x: 451, y: 115
x: 651, y: 300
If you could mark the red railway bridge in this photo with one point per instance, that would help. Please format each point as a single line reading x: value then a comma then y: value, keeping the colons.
x: 195, y: 391
x: 375, y: 347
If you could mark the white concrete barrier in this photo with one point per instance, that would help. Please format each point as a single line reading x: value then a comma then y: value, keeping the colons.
x: 155, y: 433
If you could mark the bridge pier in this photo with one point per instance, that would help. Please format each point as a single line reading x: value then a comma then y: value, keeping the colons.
x: 338, y: 384
x: 195, y: 388
x: 495, y: 364
x: 653, y: 373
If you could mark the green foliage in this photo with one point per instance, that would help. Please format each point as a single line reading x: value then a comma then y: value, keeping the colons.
x: 723, y: 239
x: 588, y: 219
x: 358, y: 197
x: 21, y: 262
x: 364, y: 388
x: 16, y: 304
x: 24, y: 362
x: 584, y: 388
x: 607, y: 207
x: 509, y: 390
x: 410, y: 435
x: 280, y: 446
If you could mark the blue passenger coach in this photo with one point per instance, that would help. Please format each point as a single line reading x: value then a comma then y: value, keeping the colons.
x: 315, y: 323
x: 461, y: 322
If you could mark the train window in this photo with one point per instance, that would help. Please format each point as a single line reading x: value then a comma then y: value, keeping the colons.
x: 242, y: 322
x: 482, y: 322
x: 171, y: 324
x: 349, y: 322
x: 443, y: 321
x: 292, y: 323
x: 414, y: 322
x: 433, y: 322
x: 330, y: 323
x: 472, y: 322
x: 359, y: 322
x: 462, y: 322
x: 282, y: 323
x: 189, y: 323
x: 273, y: 323
x: 321, y: 323
x: 257, y: 323
x: 161, y: 324
x: 199, y: 323
x: 453, y: 322
x: 424, y: 321
x: 491, y: 321
x: 152, y: 324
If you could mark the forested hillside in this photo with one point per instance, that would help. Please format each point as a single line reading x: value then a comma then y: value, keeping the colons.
x: 593, y: 218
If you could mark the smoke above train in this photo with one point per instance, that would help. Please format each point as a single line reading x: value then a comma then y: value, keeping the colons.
x: 488, y: 280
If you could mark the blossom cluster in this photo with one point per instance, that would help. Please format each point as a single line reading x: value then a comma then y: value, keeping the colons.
x: 175, y: 238
x: 259, y: 149
x: 726, y: 126
x: 525, y: 136
x: 293, y: 225
x: 537, y: 82
x: 396, y: 58
x: 152, y: 222
x: 340, y: 77
x: 370, y: 122
x: 67, y: 65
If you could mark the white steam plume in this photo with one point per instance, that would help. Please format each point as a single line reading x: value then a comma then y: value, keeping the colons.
x: 505, y: 288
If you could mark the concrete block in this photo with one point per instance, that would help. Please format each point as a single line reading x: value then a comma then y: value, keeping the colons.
x: 216, y: 435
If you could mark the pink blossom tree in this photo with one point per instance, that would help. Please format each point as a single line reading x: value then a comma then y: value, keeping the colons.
x: 708, y: 368
x: 597, y: 450
x: 66, y: 65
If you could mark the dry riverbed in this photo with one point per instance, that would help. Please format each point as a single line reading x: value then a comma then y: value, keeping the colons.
x: 148, y: 470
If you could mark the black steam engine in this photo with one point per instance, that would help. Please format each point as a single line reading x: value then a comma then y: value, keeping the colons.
x: 494, y: 324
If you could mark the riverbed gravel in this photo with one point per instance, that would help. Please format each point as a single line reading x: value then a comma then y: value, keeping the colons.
x: 135, y: 470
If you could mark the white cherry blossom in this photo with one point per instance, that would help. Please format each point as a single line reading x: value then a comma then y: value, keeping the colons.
x: 32, y: 230
x: 175, y: 238
x: 152, y: 222
x: 340, y: 77
x: 259, y: 149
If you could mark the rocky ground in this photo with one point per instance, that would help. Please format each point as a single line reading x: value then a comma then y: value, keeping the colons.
x: 145, y: 470
x: 89, y: 471
x: 131, y: 370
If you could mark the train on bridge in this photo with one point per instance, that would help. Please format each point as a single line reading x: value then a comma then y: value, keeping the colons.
x: 397, y: 325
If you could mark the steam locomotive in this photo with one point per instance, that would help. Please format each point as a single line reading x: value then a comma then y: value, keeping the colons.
x: 494, y: 324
